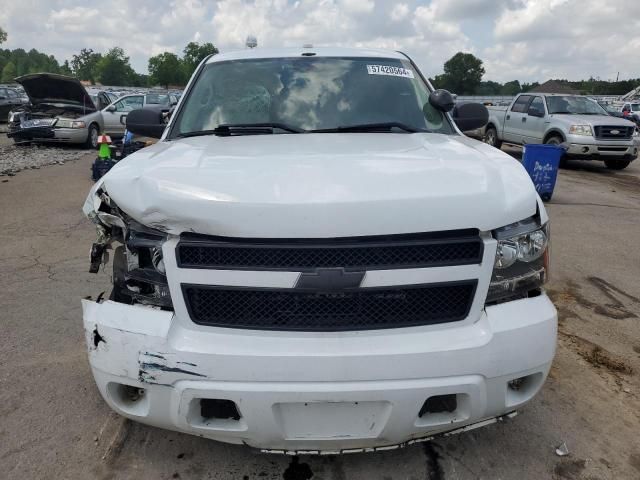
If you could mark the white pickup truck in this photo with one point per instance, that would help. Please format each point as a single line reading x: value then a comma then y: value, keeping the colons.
x: 314, y: 259
x: 579, y: 123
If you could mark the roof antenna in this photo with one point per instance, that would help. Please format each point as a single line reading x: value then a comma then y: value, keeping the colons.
x: 252, y: 41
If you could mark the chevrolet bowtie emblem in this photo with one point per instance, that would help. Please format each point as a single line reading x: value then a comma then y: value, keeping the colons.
x: 329, y: 279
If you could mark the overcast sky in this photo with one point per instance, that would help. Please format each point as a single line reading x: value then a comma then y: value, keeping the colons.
x: 517, y: 39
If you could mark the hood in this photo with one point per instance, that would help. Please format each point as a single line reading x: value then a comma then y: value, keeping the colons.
x: 54, y: 88
x: 321, y: 185
x: 593, y: 120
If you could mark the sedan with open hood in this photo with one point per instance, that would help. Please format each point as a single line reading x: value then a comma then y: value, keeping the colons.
x: 59, y: 110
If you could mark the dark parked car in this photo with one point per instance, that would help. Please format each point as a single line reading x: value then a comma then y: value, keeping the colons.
x: 9, y: 99
x: 612, y: 110
x: 626, y: 112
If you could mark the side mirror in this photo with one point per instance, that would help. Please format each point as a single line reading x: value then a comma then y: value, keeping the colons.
x: 111, y: 108
x: 2, y: 97
x: 534, y: 112
x: 146, y: 122
x: 470, y: 116
x: 442, y: 100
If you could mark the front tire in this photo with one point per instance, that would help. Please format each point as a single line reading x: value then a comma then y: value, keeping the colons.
x: 491, y: 138
x: 92, y: 137
x: 557, y: 140
x: 617, y: 164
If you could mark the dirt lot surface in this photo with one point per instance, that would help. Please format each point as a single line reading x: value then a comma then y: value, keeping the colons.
x: 54, y: 424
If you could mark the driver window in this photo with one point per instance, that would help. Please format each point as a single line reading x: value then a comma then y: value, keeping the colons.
x: 130, y: 103
x: 520, y: 106
x: 537, y: 104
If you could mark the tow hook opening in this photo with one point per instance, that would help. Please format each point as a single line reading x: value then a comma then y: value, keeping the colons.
x: 521, y: 389
x: 439, y: 404
x: 132, y: 394
x: 444, y: 409
x: 218, y: 409
x: 130, y: 399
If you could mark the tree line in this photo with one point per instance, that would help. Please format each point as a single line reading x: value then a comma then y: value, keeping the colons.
x: 110, y: 68
x: 463, y: 75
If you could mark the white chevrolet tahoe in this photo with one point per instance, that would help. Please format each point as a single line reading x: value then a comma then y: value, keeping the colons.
x: 314, y: 259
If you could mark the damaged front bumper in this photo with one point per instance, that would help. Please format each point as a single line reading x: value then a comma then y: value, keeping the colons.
x: 29, y: 133
x: 320, y: 393
x: 46, y: 131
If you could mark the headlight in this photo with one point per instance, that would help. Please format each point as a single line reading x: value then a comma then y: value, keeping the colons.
x: 139, y: 275
x: 13, y: 117
x: 65, y: 123
x: 581, y: 130
x: 522, y: 260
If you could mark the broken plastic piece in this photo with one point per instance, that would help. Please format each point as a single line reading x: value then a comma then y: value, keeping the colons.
x: 562, y: 450
x: 97, y: 251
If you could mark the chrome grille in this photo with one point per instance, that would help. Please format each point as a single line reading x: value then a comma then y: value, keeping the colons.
x: 607, y: 132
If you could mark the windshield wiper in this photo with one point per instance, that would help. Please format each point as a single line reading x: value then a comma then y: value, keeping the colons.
x: 227, y: 130
x: 370, y: 127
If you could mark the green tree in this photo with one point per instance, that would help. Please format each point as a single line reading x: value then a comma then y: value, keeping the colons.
x: 165, y: 69
x: 8, y: 73
x: 3, y: 35
x: 139, y: 80
x: 65, y: 69
x: 194, y: 53
x: 511, y: 88
x: 84, y: 65
x: 462, y: 74
x: 114, y: 68
x: 489, y: 88
x: 20, y: 59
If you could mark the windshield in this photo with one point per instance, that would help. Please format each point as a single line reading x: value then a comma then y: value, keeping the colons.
x: 308, y: 94
x: 574, y: 105
x: 635, y: 107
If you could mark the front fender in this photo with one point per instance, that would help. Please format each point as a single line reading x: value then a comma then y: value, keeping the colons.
x: 554, y: 130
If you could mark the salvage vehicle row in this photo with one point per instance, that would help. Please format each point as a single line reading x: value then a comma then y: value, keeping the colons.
x: 61, y: 110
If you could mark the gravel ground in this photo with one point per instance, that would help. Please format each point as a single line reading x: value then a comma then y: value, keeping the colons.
x: 15, y: 158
